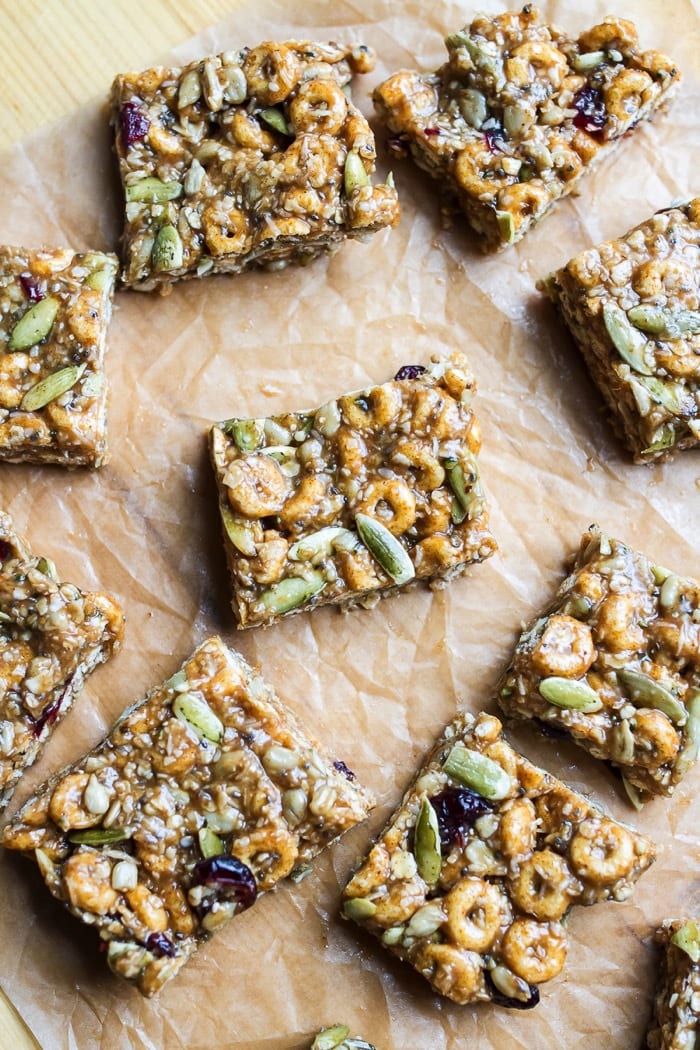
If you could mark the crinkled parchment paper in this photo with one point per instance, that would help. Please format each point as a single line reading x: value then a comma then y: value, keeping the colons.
x: 375, y: 685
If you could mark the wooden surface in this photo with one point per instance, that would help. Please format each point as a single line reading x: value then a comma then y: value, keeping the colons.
x: 54, y: 56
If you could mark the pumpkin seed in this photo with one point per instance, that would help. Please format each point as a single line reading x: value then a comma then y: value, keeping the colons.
x: 590, y: 60
x: 292, y: 592
x: 48, y: 567
x: 472, y: 106
x: 393, y: 935
x: 622, y: 743
x: 570, y: 693
x: 478, y: 772
x: 98, y: 836
x: 99, y: 280
x: 660, y: 573
x: 209, y: 843
x: 390, y: 180
x: 644, y: 691
x: 506, y: 226
x: 198, y: 716
x: 330, y: 1038
x: 385, y: 548
x: 167, y: 251
x: 248, y: 434
x: 358, y: 908
x: 321, y: 542
x: 689, y: 754
x: 236, y: 87
x: 688, y: 940
x: 665, y: 392
x: 239, y: 532
x: 633, y: 793
x: 44, y: 863
x: 177, y: 681
x: 92, y: 385
x: 627, y: 340
x: 650, y: 319
x: 285, y: 456
x: 671, y: 590
x: 467, y: 502
x: 152, y: 190
x: 426, y: 844
x: 51, y: 387
x: 275, y: 119
x: 190, y: 90
x: 34, y: 325
x: 355, y: 176
x: 665, y: 438
x: 687, y: 320
x: 328, y: 419
x: 301, y: 872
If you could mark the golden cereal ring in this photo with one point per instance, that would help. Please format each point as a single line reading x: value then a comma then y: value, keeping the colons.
x: 148, y: 908
x: 430, y: 473
x: 180, y: 751
x: 475, y: 911
x: 390, y: 501
x: 679, y: 641
x: 565, y: 649
x: 226, y: 229
x: 270, y: 560
x: 408, y: 95
x: 611, y: 32
x: 352, y: 452
x: 87, y: 880
x: 601, y: 851
x: 542, y: 886
x: 398, y: 905
x: 303, y: 200
x: 523, y: 199
x: 472, y: 166
x: 67, y: 807
x: 270, y: 852
x: 625, y: 93
x: 617, y: 625
x: 378, y: 408
x: 435, y: 553
x: 517, y: 830
x: 310, y: 502
x: 245, y: 130
x: 693, y: 211
x: 661, y: 277
x: 358, y: 569
x: 545, y: 58
x: 656, y: 741
x: 318, y: 106
x: 256, y: 486
x: 451, y: 971
x: 373, y: 206
x: 535, y: 951
x: 677, y: 358
x: 435, y: 515
x: 272, y: 71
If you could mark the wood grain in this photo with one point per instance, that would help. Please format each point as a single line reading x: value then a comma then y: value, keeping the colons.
x: 55, y: 55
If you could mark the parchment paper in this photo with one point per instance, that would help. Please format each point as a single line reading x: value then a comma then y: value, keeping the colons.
x: 375, y: 685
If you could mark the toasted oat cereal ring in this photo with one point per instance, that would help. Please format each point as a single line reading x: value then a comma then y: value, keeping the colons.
x: 391, y: 502
x: 656, y: 741
x: 601, y: 852
x: 475, y: 912
x: 256, y: 486
x: 542, y: 886
x: 517, y: 828
x: 611, y: 32
x: 535, y: 951
x: 67, y: 807
x: 87, y: 881
x: 453, y: 971
x: 624, y: 95
x: 544, y: 58
x: 272, y: 72
x: 430, y: 473
x: 565, y: 648
x: 378, y: 408
x: 245, y: 130
x: 226, y: 229
x: 318, y: 106
x: 269, y: 852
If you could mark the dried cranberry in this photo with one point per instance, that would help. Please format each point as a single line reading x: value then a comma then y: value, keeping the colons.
x: 494, y: 140
x: 398, y: 145
x: 229, y: 877
x: 5, y: 550
x: 410, y: 372
x: 31, y: 288
x: 432, y: 132
x: 159, y: 944
x: 133, y: 122
x: 342, y: 768
x: 49, y: 715
x: 513, y: 1004
x: 457, y: 809
x: 590, y: 106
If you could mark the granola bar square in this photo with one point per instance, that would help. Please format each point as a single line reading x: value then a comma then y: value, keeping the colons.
x: 249, y: 158
x: 356, y: 499
x: 471, y: 878
x: 676, y: 1021
x: 520, y: 112
x: 52, y: 636
x: 614, y: 661
x: 205, y: 795
x: 632, y: 306
x: 55, y: 306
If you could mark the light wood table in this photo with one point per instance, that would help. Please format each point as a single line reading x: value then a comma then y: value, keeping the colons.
x: 55, y: 55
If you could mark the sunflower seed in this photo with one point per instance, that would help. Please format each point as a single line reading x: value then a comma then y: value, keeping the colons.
x: 125, y: 875
x: 646, y: 692
x: 96, y: 797
x: 209, y: 843
x: 355, y: 176
x: 357, y: 908
x: 167, y: 251
x: 385, y: 548
x: 510, y: 985
x: 236, y: 86
x: 190, y: 90
x: 426, y: 920
x: 393, y: 935
x: 627, y: 340
x: 472, y: 106
x: 292, y: 592
x: 478, y: 772
x: 590, y: 60
x: 196, y: 713
x: 285, y: 456
x: 51, y: 387
x: 426, y: 844
x: 671, y: 590
x: 321, y: 543
x: 571, y: 693
x: 622, y: 743
x: 34, y: 325
x: 633, y: 793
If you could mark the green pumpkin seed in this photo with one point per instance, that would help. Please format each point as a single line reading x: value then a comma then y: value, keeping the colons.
x: 98, y: 836
x: 177, y: 681
x: 633, y: 793
x: 665, y: 392
x: 627, y: 340
x: 355, y: 176
x: 292, y: 592
x: 275, y: 119
x: 650, y: 319
x: 92, y: 385
x: 660, y: 573
x: 392, y: 936
x: 688, y: 940
x: 248, y: 434
x: 665, y: 438
x: 330, y: 1038
x: 209, y: 843
x: 590, y: 60
x: 622, y: 743
x: 322, y: 542
x: 285, y: 456
x: 689, y: 754
x: 34, y: 325
x: 167, y: 251
x: 426, y: 844
x: 358, y: 908
x: 301, y: 872
x: 48, y: 567
x: 506, y: 226
x: 385, y: 548
x: 478, y: 772
x: 574, y: 694
x: 239, y: 532
x: 644, y: 691
x: 152, y: 190
x: 467, y: 502
x: 199, y: 717
x: 99, y: 280
x: 50, y: 388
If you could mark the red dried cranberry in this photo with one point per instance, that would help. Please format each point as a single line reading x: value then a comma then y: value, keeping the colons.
x: 507, y: 1001
x: 159, y: 944
x: 494, y: 140
x: 432, y: 132
x: 5, y: 550
x: 456, y: 810
x: 229, y: 877
x: 410, y: 372
x: 133, y: 122
x: 31, y: 288
x: 49, y: 715
x: 342, y: 768
x: 590, y: 109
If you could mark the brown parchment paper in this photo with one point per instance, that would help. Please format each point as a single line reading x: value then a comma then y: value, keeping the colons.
x: 375, y: 685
